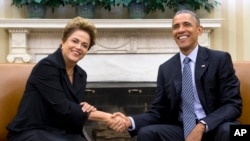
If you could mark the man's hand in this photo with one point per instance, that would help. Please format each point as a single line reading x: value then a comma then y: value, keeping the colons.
x: 197, y: 133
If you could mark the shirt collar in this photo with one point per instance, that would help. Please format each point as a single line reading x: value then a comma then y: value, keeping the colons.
x: 192, y: 55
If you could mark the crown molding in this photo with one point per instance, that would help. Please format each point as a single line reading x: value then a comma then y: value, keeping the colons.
x: 8, y: 23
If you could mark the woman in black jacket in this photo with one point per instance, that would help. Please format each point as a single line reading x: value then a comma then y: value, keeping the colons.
x: 52, y: 107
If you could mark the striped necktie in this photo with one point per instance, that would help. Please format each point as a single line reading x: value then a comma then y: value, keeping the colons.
x: 187, y: 99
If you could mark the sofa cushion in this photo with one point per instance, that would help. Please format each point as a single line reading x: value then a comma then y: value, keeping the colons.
x: 243, y: 73
x: 13, y: 78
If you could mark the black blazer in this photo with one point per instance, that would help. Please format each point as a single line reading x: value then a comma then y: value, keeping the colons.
x: 217, y: 86
x: 50, y: 101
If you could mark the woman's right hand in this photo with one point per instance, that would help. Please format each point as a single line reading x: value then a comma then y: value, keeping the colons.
x: 86, y: 107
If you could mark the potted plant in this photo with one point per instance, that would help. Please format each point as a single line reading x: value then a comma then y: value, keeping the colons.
x: 37, y: 8
x: 86, y: 8
x: 193, y: 5
x: 139, y: 8
x: 107, y: 4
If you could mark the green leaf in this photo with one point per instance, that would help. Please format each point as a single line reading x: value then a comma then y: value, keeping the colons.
x: 38, y: 1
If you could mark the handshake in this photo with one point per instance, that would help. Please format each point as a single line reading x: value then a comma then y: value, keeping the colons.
x: 118, y: 122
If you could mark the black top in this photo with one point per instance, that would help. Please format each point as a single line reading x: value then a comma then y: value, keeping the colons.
x: 50, y: 101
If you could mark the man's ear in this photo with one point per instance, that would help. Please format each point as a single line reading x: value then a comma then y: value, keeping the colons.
x: 200, y: 30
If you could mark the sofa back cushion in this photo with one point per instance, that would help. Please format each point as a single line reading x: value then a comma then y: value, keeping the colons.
x: 13, y: 78
x: 243, y: 73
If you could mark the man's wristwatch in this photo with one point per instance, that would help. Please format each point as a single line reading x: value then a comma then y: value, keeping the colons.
x: 203, y: 122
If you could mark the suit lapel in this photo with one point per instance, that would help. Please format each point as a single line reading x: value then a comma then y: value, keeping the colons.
x: 70, y: 87
x: 175, y: 98
x: 200, y: 67
x: 201, y: 63
x: 79, y: 83
x: 73, y: 90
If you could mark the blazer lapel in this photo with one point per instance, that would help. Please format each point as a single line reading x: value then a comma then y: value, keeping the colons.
x: 201, y: 63
x: 77, y: 89
x: 72, y: 91
x: 177, y: 82
x: 200, y: 67
x: 70, y: 87
x: 79, y: 83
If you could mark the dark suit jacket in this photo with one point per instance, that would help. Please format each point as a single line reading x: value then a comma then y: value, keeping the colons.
x: 217, y: 87
x: 50, y: 101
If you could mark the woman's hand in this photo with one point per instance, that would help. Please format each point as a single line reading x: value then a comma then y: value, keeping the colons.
x: 86, y: 107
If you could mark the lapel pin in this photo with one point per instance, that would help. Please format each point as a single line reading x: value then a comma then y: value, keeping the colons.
x: 203, y: 66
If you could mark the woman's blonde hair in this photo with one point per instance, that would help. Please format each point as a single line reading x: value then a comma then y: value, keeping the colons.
x: 80, y: 23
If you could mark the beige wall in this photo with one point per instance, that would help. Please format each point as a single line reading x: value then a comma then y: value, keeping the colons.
x: 231, y: 37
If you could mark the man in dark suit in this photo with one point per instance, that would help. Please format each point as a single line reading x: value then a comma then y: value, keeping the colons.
x: 215, y: 88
